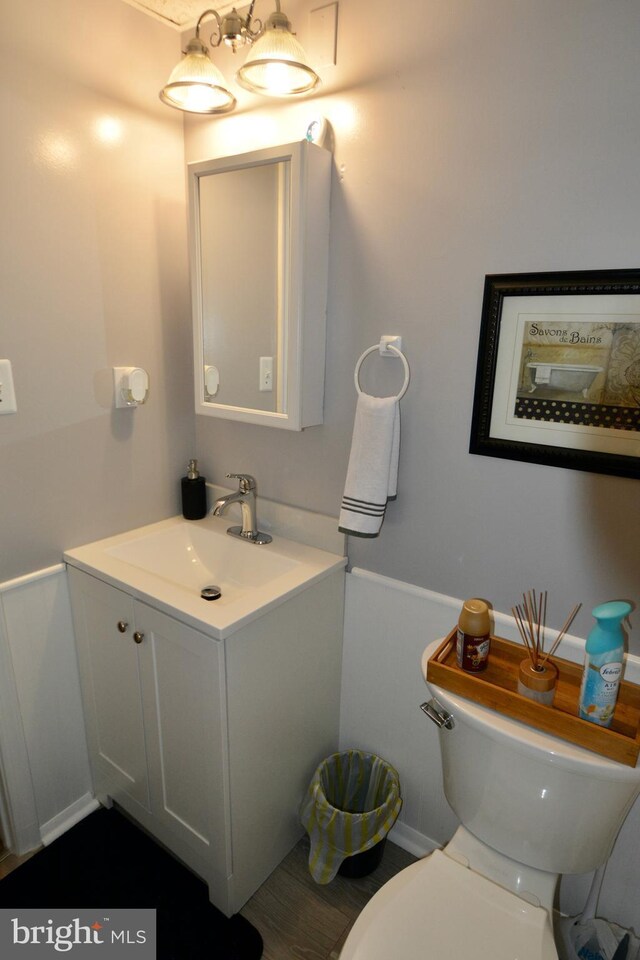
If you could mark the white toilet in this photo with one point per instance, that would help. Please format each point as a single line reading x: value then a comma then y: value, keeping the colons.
x: 531, y: 807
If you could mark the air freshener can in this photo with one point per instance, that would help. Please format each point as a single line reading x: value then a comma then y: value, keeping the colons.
x: 473, y: 640
x: 603, y: 664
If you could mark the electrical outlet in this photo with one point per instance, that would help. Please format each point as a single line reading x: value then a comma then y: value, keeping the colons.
x: 7, y: 393
x: 266, y: 374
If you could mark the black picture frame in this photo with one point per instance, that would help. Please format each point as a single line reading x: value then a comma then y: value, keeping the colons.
x: 537, y: 399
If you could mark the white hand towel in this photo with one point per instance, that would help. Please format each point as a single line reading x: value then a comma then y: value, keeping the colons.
x: 543, y: 373
x: 372, y: 474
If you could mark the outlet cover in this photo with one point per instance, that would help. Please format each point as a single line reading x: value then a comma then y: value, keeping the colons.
x: 7, y: 392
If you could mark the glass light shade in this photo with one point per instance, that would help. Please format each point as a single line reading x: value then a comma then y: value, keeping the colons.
x: 196, y: 85
x: 277, y: 64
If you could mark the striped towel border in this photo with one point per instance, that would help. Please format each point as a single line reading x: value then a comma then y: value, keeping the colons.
x: 365, y: 507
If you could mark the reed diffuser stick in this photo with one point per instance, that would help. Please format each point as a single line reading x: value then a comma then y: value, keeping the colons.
x: 523, y: 633
x: 537, y: 612
x: 566, y: 626
x: 529, y: 615
x: 531, y: 618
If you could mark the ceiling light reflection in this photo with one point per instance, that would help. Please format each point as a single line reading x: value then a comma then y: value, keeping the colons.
x: 108, y: 130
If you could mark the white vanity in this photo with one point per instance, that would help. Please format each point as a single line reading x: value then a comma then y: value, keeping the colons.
x: 205, y: 720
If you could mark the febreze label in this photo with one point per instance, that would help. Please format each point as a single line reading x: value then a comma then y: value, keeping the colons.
x: 611, y: 672
x: 600, y: 691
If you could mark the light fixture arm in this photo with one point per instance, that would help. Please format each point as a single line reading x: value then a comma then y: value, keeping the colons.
x: 233, y: 29
x: 254, y: 34
x: 248, y: 20
x: 215, y: 14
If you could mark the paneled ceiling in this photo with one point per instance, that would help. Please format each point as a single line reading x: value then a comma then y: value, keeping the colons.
x: 179, y: 14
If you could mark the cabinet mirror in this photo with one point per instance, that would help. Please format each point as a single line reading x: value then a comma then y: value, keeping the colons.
x: 259, y: 233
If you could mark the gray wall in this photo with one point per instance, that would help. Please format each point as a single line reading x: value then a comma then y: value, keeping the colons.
x: 483, y: 138
x: 489, y: 138
x: 93, y: 273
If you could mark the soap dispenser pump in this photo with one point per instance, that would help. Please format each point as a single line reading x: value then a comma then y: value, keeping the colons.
x: 194, y: 494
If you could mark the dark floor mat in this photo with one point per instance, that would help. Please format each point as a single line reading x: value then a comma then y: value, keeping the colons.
x: 106, y: 861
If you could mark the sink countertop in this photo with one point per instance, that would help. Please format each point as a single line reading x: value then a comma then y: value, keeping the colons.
x: 274, y: 572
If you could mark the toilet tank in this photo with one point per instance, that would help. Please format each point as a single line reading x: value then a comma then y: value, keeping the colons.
x: 534, y: 798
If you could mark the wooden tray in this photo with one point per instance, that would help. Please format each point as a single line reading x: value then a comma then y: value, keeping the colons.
x: 497, y: 688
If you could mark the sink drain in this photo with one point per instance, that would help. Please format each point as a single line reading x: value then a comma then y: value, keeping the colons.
x: 211, y: 593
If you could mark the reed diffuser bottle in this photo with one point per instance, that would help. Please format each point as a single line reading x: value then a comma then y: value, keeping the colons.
x: 537, y: 676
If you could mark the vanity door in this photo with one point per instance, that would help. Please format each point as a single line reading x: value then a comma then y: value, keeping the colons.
x: 185, y: 720
x: 155, y: 712
x: 111, y: 688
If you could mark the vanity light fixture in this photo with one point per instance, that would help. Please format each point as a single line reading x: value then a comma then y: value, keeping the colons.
x: 276, y: 66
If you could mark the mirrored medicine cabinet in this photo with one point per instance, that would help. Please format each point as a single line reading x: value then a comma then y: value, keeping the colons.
x: 259, y: 238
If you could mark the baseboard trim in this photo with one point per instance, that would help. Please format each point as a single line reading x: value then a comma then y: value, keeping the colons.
x: 411, y: 840
x: 68, y: 818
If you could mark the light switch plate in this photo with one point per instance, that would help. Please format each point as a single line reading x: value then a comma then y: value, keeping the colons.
x: 7, y: 392
x: 323, y: 35
x: 266, y: 374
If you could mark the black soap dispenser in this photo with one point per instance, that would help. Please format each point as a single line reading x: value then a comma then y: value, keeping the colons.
x: 194, y: 494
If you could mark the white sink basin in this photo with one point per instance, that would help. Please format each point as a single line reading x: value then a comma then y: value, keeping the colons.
x: 195, y: 556
x: 170, y: 562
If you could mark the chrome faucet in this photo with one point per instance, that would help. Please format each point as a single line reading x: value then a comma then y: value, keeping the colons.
x: 245, y: 495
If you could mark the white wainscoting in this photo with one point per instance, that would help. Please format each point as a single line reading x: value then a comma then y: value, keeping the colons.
x: 388, y: 624
x: 47, y: 781
x: 45, y: 772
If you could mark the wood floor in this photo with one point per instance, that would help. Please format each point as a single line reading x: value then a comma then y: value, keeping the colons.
x: 301, y: 920
x: 297, y: 918
x: 9, y: 861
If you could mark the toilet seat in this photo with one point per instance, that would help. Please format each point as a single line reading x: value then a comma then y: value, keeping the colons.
x: 441, y: 910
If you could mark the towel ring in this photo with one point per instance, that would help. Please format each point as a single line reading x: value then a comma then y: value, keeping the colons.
x: 398, y: 353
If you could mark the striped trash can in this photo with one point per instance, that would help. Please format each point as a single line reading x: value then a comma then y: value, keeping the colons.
x: 352, y: 802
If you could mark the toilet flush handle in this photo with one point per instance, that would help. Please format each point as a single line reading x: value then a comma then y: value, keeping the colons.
x: 436, y: 712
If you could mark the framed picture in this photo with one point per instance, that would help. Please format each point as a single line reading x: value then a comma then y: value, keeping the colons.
x: 558, y: 375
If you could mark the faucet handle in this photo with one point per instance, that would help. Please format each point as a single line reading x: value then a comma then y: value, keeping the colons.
x: 245, y: 482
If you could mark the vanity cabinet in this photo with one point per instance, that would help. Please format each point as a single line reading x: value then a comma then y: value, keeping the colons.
x: 210, y: 744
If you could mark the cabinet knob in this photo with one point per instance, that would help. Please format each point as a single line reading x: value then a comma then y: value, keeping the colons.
x: 122, y: 626
x: 138, y: 637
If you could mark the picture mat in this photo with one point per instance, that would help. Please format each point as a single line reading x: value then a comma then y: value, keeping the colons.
x: 517, y: 311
